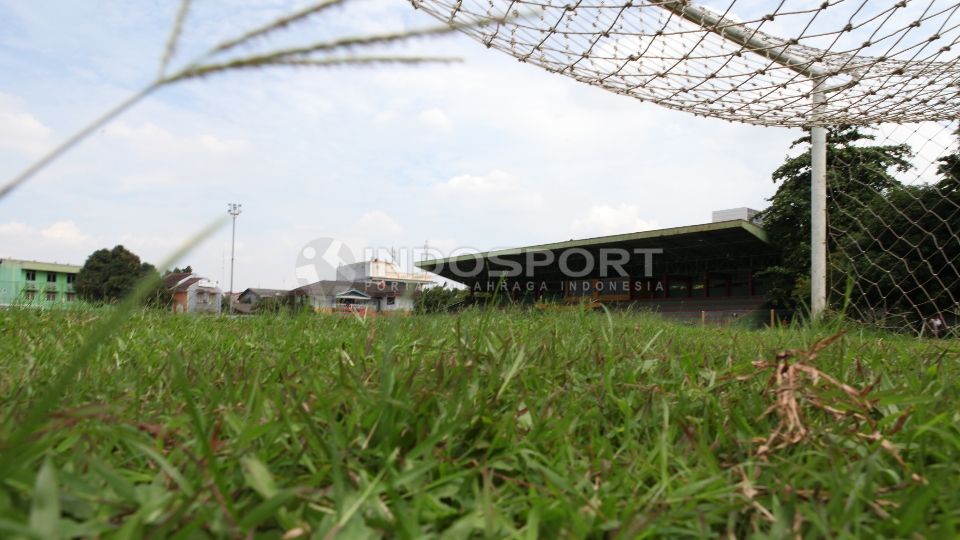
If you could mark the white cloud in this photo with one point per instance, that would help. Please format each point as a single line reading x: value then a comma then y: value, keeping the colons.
x: 12, y: 228
x: 61, y: 241
x: 66, y: 231
x: 436, y: 119
x: 21, y: 131
x: 135, y: 182
x: 150, y: 138
x: 605, y: 220
x: 493, y: 209
x: 496, y: 188
x: 377, y: 223
x: 495, y: 182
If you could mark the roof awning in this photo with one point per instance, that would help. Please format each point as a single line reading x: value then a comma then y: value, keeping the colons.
x: 708, y: 241
x: 353, y: 294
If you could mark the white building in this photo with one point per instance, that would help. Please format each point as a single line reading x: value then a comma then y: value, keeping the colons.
x: 193, y: 294
x: 376, y: 285
x: 744, y: 213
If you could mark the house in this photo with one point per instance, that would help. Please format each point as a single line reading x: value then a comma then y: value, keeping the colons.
x: 247, y: 300
x: 369, y: 286
x: 35, y: 283
x: 193, y: 294
x: 254, y: 295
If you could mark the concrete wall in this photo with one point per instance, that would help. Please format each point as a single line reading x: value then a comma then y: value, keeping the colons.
x: 399, y: 304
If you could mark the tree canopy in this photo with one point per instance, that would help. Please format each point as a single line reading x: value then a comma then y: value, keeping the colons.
x: 855, y: 173
x: 438, y: 299
x: 108, y: 275
x: 895, y: 244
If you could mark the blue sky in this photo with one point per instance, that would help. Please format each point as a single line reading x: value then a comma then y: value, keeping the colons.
x: 484, y: 154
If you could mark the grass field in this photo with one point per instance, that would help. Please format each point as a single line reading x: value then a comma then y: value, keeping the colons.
x: 483, y: 424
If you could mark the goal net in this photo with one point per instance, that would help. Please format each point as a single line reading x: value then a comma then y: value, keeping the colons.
x: 881, y: 75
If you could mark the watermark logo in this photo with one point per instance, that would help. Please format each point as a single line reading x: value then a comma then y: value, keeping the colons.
x: 320, y: 258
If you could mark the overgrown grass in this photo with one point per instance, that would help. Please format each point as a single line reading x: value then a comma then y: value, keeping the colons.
x: 483, y: 424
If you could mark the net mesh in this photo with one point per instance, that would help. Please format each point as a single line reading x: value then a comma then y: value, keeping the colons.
x: 894, y: 246
x: 894, y: 212
x: 882, y: 61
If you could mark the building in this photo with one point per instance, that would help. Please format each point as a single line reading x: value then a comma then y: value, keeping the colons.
x: 193, y: 294
x: 742, y: 213
x: 247, y: 301
x: 253, y: 296
x: 369, y: 286
x: 34, y: 283
x: 700, y: 272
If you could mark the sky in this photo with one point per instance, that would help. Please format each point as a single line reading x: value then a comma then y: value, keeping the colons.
x: 483, y: 154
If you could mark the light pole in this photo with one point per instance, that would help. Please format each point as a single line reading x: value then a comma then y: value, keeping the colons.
x: 234, y: 210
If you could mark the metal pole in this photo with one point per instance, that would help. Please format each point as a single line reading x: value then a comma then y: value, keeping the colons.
x: 233, y: 241
x: 771, y: 48
x: 234, y: 210
x: 818, y: 213
x: 800, y: 61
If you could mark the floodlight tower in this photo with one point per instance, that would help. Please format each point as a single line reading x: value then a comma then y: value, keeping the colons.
x: 776, y: 51
x: 234, y: 210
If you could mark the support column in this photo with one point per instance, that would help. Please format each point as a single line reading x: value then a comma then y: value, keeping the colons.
x: 818, y: 215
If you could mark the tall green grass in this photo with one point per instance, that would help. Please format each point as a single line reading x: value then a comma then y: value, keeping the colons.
x: 484, y: 424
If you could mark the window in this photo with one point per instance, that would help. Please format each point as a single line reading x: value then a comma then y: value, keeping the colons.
x: 31, y: 275
x: 71, y: 278
x: 51, y: 277
x: 30, y: 295
x: 391, y: 300
x: 71, y: 296
x: 51, y: 297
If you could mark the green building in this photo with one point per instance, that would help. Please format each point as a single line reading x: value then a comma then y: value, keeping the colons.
x: 36, y: 283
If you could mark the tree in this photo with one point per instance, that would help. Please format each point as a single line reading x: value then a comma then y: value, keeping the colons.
x: 856, y: 175
x: 438, y: 299
x: 276, y: 305
x: 949, y: 170
x: 108, y: 275
x: 177, y: 270
x: 905, y: 250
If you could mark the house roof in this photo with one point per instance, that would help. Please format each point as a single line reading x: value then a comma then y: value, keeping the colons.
x: 353, y: 294
x: 322, y: 288
x: 172, y: 279
x: 185, y: 284
x: 43, y: 266
x: 265, y: 293
x: 371, y: 289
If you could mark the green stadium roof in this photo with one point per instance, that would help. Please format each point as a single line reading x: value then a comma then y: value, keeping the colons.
x: 692, y: 242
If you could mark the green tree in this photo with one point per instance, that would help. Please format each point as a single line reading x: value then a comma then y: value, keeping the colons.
x: 438, y: 299
x: 949, y: 169
x: 857, y: 174
x: 276, y: 305
x: 905, y: 250
x: 108, y: 275
x: 177, y: 270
